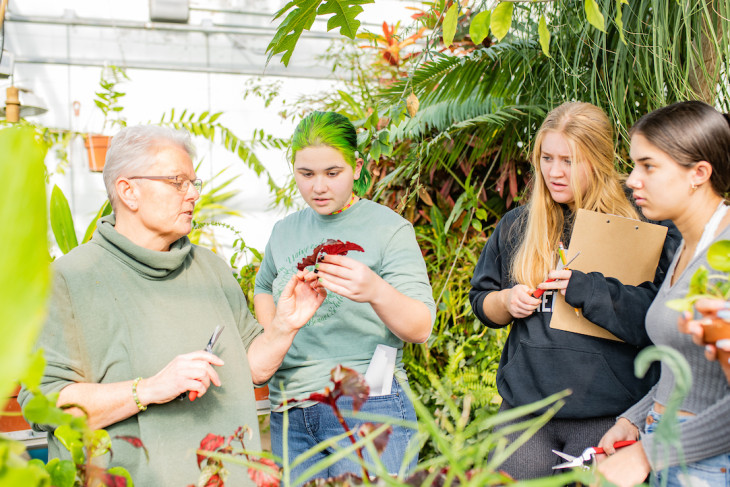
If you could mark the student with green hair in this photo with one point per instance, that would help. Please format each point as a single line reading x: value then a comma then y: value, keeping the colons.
x: 380, y: 296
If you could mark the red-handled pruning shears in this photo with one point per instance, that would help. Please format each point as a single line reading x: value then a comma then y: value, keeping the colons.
x: 539, y: 292
x: 209, y: 348
x: 587, y: 455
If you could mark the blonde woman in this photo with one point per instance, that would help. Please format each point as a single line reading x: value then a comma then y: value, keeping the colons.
x: 573, y: 164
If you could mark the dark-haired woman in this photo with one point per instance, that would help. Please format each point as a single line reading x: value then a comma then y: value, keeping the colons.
x: 682, y: 170
x: 380, y: 296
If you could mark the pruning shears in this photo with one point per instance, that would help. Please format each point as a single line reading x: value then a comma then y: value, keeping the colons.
x: 539, y: 292
x: 209, y: 348
x: 587, y: 456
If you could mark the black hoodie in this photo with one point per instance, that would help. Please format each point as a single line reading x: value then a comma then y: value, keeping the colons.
x: 538, y: 361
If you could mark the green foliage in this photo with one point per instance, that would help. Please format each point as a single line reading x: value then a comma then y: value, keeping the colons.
x: 62, y: 221
x: 24, y: 279
x: 479, y: 26
x: 594, y: 15
x: 301, y: 17
x: 449, y: 28
x: 501, y: 20
x: 108, y: 98
x: 206, y: 125
x: 667, y: 431
x: 705, y: 285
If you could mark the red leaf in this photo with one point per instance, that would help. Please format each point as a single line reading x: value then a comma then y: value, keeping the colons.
x: 264, y: 478
x: 331, y: 247
x: 380, y: 442
x: 210, y: 443
x: 349, y: 382
x: 214, y: 481
x: 135, y: 442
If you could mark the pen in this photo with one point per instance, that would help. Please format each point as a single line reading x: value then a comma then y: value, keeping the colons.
x: 209, y: 349
x: 539, y: 292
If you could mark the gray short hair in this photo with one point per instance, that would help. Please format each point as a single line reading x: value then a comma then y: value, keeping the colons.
x: 133, y: 148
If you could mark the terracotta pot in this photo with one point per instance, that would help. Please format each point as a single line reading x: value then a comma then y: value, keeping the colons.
x: 97, y: 145
x: 717, y: 329
x: 261, y: 393
x: 13, y: 423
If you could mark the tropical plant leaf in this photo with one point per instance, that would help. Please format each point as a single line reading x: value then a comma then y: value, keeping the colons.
x: 544, y: 35
x: 594, y: 15
x: 62, y: 221
x: 449, y: 24
x: 479, y: 27
x: 718, y: 255
x: 25, y: 277
x: 501, y: 20
x: 289, y: 31
x: 106, y: 209
x: 344, y: 12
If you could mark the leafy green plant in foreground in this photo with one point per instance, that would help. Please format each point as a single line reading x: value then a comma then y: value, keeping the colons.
x: 706, y: 285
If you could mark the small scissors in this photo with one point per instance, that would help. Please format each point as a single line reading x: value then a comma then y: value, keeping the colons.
x: 587, y: 456
x: 539, y: 292
x: 209, y: 349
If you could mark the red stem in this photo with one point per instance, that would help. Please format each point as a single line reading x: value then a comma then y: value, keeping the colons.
x: 339, y: 417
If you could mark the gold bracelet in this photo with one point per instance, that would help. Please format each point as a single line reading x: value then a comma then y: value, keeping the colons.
x: 141, y: 406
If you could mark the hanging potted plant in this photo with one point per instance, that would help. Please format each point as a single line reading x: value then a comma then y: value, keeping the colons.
x: 107, y: 100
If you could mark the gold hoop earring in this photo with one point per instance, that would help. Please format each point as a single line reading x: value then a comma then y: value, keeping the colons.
x: 694, y: 187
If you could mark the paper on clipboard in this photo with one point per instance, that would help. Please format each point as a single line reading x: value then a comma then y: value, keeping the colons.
x: 623, y: 248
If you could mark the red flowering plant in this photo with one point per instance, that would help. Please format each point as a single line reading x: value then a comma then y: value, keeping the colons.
x: 215, y: 448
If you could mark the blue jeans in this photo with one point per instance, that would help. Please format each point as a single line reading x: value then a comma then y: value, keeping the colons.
x: 312, y: 425
x: 707, y: 472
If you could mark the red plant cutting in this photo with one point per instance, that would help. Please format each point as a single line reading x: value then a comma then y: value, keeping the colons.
x: 330, y: 247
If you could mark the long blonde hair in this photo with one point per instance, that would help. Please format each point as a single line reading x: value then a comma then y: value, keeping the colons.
x: 589, y: 134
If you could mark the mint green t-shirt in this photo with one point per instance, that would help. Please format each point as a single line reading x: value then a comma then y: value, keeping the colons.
x: 342, y: 331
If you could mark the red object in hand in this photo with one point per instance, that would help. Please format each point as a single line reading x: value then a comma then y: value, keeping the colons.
x: 331, y: 247
x: 539, y: 292
x: 193, y: 395
x: 617, y: 445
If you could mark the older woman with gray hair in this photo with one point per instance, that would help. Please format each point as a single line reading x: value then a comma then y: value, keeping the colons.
x: 131, y: 310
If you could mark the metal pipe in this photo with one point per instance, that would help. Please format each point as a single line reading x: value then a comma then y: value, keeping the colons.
x: 304, y: 71
x: 160, y: 26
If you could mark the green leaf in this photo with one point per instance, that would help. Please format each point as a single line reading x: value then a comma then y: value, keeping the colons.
x: 105, y: 210
x: 42, y: 410
x: 501, y: 20
x: 455, y: 212
x: 344, y: 16
x: 289, y: 31
x: 62, y: 472
x: 479, y: 27
x: 99, y: 443
x: 25, y: 276
x: 70, y: 438
x: 34, y: 373
x: 122, y: 472
x: 718, y: 255
x: 62, y: 221
x: 544, y: 34
x: 619, y: 20
x: 375, y: 150
x: 214, y: 117
x: 698, y: 283
x: 594, y: 15
x: 449, y: 25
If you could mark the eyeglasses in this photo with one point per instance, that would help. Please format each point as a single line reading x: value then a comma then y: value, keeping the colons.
x: 180, y: 182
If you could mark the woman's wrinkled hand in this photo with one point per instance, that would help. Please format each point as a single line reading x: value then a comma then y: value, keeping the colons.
x: 188, y: 372
x: 518, y: 301
x: 299, y: 301
x: 347, y: 277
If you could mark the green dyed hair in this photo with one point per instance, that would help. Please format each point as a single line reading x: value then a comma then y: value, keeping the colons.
x: 332, y: 130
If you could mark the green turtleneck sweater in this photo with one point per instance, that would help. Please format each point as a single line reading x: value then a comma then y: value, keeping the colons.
x: 120, y: 311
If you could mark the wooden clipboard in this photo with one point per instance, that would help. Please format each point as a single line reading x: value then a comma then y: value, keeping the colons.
x: 619, y: 247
